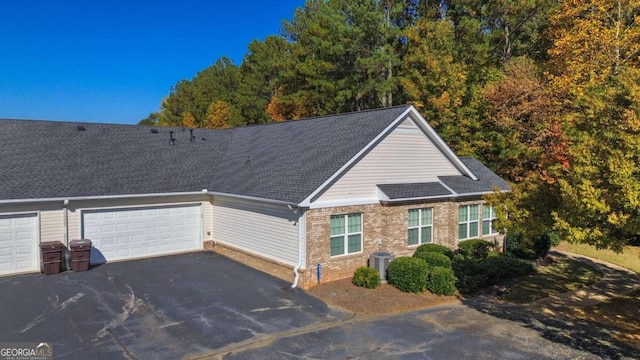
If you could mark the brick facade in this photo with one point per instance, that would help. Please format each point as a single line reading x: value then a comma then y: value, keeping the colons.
x: 384, y: 229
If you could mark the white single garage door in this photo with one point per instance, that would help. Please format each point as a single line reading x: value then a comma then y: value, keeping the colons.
x: 18, y: 244
x: 121, y: 234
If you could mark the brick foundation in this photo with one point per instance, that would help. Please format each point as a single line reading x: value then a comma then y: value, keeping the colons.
x: 271, y: 267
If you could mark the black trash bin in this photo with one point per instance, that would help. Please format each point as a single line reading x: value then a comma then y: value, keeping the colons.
x: 51, y: 257
x: 80, y: 254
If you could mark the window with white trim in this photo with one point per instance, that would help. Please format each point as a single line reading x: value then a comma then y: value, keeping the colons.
x: 488, y: 216
x: 420, y: 226
x: 467, y: 222
x: 346, y: 234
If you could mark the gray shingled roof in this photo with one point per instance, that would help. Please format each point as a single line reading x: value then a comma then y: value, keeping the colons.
x: 487, y: 179
x: 282, y: 161
x: 414, y: 190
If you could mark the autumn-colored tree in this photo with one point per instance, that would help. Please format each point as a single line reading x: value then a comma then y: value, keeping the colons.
x: 219, y: 115
x: 526, y: 145
x: 593, y: 40
x: 595, y: 65
x: 188, y: 120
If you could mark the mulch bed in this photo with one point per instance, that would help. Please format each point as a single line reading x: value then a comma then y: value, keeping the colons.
x: 383, y: 300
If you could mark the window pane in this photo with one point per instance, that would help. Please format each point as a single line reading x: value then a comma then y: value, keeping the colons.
x: 462, y: 231
x: 337, y: 245
x: 354, y: 243
x: 427, y: 216
x: 413, y: 236
x: 486, y: 211
x: 413, y: 218
x: 462, y: 216
x: 337, y: 225
x: 486, y: 229
x: 355, y: 223
x: 426, y: 235
x: 473, y: 229
x: 473, y: 212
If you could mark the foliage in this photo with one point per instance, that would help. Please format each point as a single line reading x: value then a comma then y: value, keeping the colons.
x: 408, y: 274
x: 545, y: 93
x: 475, y: 248
x: 434, y: 248
x: 366, y: 277
x: 434, y: 259
x: 473, y: 273
x: 529, y: 248
x: 441, y: 281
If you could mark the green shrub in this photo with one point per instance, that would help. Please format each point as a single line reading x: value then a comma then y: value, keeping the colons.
x: 408, y: 274
x: 434, y: 248
x: 531, y: 249
x: 473, y: 274
x: 476, y: 248
x: 441, y: 281
x: 434, y: 259
x: 366, y: 277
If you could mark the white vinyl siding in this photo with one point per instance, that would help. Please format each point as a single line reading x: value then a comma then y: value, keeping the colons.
x: 420, y: 226
x: 19, y: 250
x: 346, y: 234
x: 467, y: 222
x: 52, y: 225
x: 406, y: 155
x: 488, y: 216
x: 260, y: 228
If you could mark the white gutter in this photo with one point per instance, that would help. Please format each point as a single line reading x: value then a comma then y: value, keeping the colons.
x: 125, y: 196
x: 98, y: 197
x: 246, y: 197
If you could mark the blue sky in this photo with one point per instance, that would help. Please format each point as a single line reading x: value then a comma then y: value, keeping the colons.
x: 114, y: 60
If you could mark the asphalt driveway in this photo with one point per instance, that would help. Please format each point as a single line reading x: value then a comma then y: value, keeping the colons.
x: 161, y: 308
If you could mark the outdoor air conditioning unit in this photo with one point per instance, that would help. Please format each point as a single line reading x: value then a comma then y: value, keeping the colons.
x: 380, y: 261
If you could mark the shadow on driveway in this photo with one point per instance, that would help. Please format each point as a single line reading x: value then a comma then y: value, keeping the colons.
x: 554, y: 318
x: 160, y: 308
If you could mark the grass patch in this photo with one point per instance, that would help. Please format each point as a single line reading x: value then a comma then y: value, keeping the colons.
x: 629, y: 258
x: 557, y: 276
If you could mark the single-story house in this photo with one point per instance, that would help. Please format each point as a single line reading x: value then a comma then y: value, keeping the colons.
x: 282, y: 197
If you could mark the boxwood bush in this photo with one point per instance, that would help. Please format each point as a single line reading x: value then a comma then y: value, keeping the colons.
x: 473, y: 274
x: 531, y: 249
x: 434, y: 248
x: 476, y: 248
x: 441, y: 281
x: 366, y: 277
x: 408, y: 274
x: 434, y: 259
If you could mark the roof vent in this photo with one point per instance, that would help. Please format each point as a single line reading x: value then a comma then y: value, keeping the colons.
x: 192, y: 138
x: 154, y: 131
x: 172, y: 141
x: 380, y: 261
x: 81, y: 128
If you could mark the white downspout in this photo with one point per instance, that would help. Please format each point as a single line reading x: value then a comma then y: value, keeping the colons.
x: 301, y: 228
x: 65, y: 221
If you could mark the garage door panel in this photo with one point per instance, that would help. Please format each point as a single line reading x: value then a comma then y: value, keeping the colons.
x: 18, y: 243
x: 141, y: 232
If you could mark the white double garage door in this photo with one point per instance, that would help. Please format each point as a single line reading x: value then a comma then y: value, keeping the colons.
x: 116, y: 234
